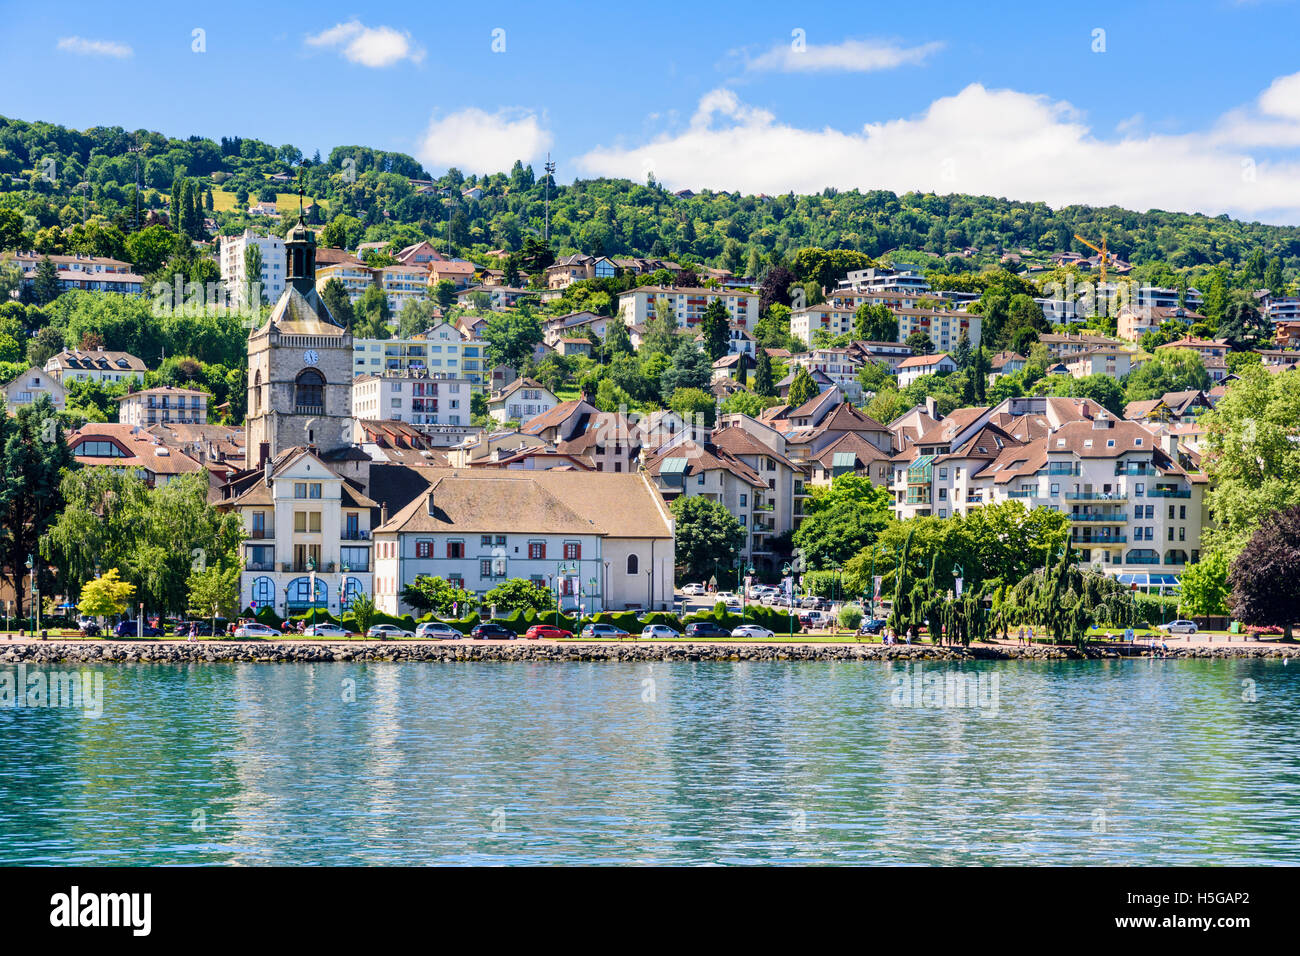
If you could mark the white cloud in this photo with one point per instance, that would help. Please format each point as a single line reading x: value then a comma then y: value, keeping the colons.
x: 980, y: 141
x: 83, y: 47
x: 369, y: 46
x: 850, y: 56
x: 477, y: 141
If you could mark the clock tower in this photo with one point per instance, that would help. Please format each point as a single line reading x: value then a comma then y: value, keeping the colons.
x: 299, y: 367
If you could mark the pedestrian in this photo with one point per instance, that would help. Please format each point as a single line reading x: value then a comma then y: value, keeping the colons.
x: 909, y: 634
x: 1031, y: 634
x: 1020, y: 638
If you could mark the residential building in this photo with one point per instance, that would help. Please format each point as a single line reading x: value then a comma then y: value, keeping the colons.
x: 1115, y: 362
x: 600, y: 541
x: 131, y: 450
x: 421, y: 400
x: 356, y: 277
x: 402, y: 284
x: 832, y: 320
x: 943, y: 326
x: 458, y: 272
x: 444, y: 349
x: 30, y: 386
x: 909, y: 370
x: 163, y: 405
x: 637, y: 306
x: 520, y: 401
x: 81, y: 271
x: 234, y: 272
x: 74, y: 365
x: 1135, y: 321
x: 839, y: 365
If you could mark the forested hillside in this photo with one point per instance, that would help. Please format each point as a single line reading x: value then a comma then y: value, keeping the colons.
x: 52, y: 177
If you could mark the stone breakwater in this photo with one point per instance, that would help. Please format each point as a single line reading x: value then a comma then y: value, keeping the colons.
x: 294, y: 652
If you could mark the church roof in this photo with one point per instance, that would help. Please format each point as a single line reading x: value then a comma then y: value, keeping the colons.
x: 299, y: 314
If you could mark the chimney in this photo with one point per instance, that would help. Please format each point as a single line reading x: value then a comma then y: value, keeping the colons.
x: 1171, y: 445
x: 383, y: 514
x: 266, y: 470
x: 932, y: 407
x: 428, y: 501
x: 263, y: 453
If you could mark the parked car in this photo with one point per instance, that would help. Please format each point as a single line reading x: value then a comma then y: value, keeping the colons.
x: 491, y: 631
x: 129, y: 629
x: 871, y: 625
x: 752, y: 631
x: 437, y: 630
x: 660, y: 631
x: 735, y: 609
x: 603, y: 631
x: 547, y: 632
x: 253, y: 629
x: 386, y: 631
x: 324, y: 630
x: 1178, y: 627
x: 694, y: 590
x: 705, y: 629
x: 727, y: 597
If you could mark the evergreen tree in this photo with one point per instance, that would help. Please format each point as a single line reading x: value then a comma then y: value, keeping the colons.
x: 335, y: 297
x: 716, y: 329
x: 763, y: 384
x: 802, y: 388
x: 45, y: 285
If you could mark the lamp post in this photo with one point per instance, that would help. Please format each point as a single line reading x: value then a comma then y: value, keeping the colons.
x: 604, y: 590
x: 560, y: 571
x: 343, y: 587
x: 36, y: 593
x: 311, y: 583
x: 786, y: 572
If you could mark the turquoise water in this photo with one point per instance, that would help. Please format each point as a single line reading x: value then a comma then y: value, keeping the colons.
x: 1120, y: 762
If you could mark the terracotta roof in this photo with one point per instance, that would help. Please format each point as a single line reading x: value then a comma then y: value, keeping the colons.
x: 142, y: 449
x: 924, y: 361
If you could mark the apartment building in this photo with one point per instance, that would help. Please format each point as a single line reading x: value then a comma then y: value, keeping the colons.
x: 80, y: 271
x: 402, y: 284
x: 1115, y: 362
x: 637, y: 306
x: 163, y: 405
x: 458, y: 272
x: 1135, y: 321
x: 903, y: 281
x: 1134, y: 510
x: 943, y: 327
x: 831, y: 319
x: 74, y: 365
x: 444, y: 349
x: 419, y: 399
x: 234, y: 272
x: 356, y: 277
x: 307, y: 535
x: 1065, y: 345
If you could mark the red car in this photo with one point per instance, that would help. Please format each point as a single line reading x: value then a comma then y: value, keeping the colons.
x: 548, y: 631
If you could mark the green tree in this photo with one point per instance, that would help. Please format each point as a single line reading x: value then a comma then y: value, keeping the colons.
x: 1172, y: 370
x: 445, y: 293
x: 692, y: 402
x: 335, y: 297
x: 1204, y: 587
x: 33, y: 456
x: 429, y: 593
x: 519, y: 594
x: 364, y: 612
x: 214, y: 592
x: 511, y: 338
x: 715, y: 326
x: 45, y: 284
x: 841, y: 520
x: 920, y: 343
x: 763, y: 382
x: 707, y: 534
x: 105, y: 596
x: 690, y: 368
x: 875, y: 323
x: 802, y: 388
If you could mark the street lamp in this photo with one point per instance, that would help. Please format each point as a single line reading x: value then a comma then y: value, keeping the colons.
x: 311, y: 586
x: 786, y: 572
x: 343, y: 586
x: 561, y: 570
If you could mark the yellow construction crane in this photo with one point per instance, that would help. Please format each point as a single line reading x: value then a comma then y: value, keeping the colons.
x: 1099, y: 249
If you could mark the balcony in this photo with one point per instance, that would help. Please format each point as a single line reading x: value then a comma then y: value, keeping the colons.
x: 261, y: 534
x: 1096, y: 496
x: 259, y: 565
x: 1169, y: 493
x: 355, y: 534
x: 1117, y: 518
x: 1143, y: 469
x: 1099, y: 542
x: 1027, y: 493
x: 1142, y: 559
x: 300, y: 567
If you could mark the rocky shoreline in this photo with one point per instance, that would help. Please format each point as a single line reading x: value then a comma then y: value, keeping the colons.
x: 304, y: 652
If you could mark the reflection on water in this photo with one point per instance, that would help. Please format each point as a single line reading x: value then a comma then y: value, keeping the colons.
x: 1126, y: 762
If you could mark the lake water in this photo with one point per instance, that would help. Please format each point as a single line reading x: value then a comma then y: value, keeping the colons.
x: 1105, y: 762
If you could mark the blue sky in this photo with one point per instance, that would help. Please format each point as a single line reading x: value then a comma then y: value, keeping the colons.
x: 1194, y: 105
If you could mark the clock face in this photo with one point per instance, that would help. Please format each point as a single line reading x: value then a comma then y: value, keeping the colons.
x: 310, y: 357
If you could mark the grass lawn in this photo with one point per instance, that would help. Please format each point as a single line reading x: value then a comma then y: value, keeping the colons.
x: 286, y: 203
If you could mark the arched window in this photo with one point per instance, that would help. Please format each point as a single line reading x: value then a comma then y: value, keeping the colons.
x: 633, y: 565
x: 351, y: 592
x: 309, y: 389
x: 263, y: 594
x: 257, y: 392
x: 300, y: 593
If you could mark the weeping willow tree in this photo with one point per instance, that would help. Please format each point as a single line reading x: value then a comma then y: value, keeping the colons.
x: 901, y: 613
x: 1066, y: 599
